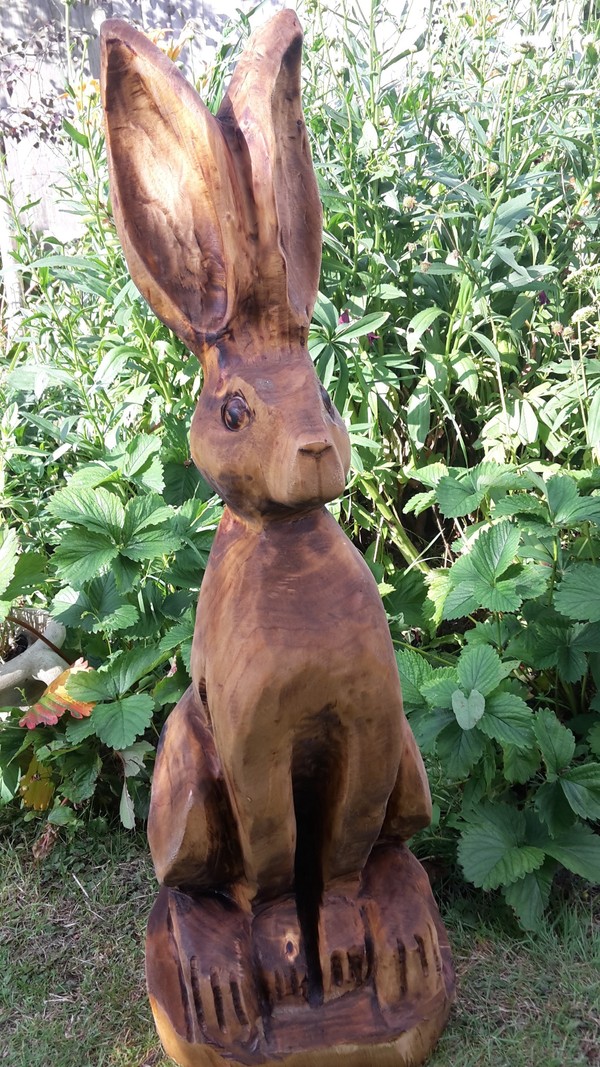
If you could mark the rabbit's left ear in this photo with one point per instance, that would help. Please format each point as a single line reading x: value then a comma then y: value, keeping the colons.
x: 262, y: 112
x: 173, y: 189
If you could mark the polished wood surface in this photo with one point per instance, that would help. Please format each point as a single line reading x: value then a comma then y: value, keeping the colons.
x: 293, y: 925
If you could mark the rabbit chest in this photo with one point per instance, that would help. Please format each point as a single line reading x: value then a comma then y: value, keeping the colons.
x: 290, y: 627
x: 293, y: 657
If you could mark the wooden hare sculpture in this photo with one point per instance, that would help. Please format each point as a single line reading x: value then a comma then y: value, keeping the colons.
x: 293, y: 926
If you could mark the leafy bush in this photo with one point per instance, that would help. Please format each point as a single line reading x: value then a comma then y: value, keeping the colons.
x: 456, y: 329
x: 521, y: 591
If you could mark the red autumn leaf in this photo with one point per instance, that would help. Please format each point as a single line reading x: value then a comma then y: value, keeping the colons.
x: 55, y: 700
x: 39, y: 714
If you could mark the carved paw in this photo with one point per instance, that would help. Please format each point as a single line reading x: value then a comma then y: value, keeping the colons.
x: 279, y: 951
x: 342, y: 945
x: 407, y: 967
x: 199, y: 969
x: 400, y: 920
x: 222, y: 1004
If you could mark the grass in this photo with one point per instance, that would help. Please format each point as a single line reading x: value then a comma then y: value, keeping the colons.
x: 71, y: 969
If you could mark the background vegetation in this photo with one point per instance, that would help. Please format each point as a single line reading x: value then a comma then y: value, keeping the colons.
x: 457, y: 331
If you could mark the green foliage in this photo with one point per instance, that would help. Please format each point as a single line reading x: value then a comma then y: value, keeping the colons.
x: 457, y: 330
x: 511, y: 720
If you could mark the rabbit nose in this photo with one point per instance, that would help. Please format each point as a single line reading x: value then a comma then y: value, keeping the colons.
x: 315, y: 448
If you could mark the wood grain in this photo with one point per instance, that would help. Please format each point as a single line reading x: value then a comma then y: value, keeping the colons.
x: 293, y: 925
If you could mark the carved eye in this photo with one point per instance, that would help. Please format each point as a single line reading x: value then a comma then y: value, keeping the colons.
x: 235, y: 412
x: 329, y: 408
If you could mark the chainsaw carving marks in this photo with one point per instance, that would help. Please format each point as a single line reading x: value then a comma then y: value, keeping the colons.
x: 293, y: 925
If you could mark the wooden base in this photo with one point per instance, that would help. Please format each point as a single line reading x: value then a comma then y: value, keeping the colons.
x: 231, y: 988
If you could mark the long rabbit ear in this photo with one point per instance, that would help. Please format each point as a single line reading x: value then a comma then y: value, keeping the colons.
x: 263, y: 103
x: 173, y: 188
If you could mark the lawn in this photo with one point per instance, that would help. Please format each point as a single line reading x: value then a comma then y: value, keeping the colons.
x: 71, y: 968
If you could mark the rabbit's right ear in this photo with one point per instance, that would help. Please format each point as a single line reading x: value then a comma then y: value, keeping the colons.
x: 173, y: 188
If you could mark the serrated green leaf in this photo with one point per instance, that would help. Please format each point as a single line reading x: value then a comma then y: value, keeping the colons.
x: 414, y: 671
x: 151, y: 544
x: 503, y: 596
x: 29, y: 575
x: 578, y: 849
x: 461, y: 599
x: 428, y: 723
x: 78, y: 729
x: 419, y: 502
x: 556, y: 742
x: 459, y: 750
x: 553, y: 808
x: 476, y: 578
x: 493, y: 551
x: 91, y: 475
x: 179, y: 633
x: 567, y: 507
x: 90, y: 686
x: 533, y: 580
x: 99, y: 608
x: 409, y: 599
x: 119, y: 723
x: 581, y: 786
x: 62, y: 816
x: 182, y: 481
x: 556, y: 645
x: 458, y: 496
x: 571, y: 663
x: 519, y: 764
x: 467, y: 709
x: 9, y: 547
x: 440, y: 686
x: 82, y: 555
x: 438, y: 586
x: 480, y: 667
x: 431, y: 473
x: 578, y: 595
x: 97, y: 510
x: 139, y: 454
x: 170, y: 689
x: 508, y: 720
x: 529, y: 896
x: 123, y: 618
x: 80, y: 781
x: 126, y: 668
x: 491, y: 856
x: 126, y: 574
x: 144, y: 512
x: 562, y: 495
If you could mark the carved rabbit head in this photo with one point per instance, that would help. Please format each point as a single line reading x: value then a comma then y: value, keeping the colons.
x: 220, y: 220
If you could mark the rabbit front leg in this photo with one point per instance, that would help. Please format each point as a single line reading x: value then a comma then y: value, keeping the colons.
x: 191, y: 830
x: 199, y: 965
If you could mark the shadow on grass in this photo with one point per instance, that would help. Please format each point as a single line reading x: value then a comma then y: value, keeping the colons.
x: 72, y: 983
